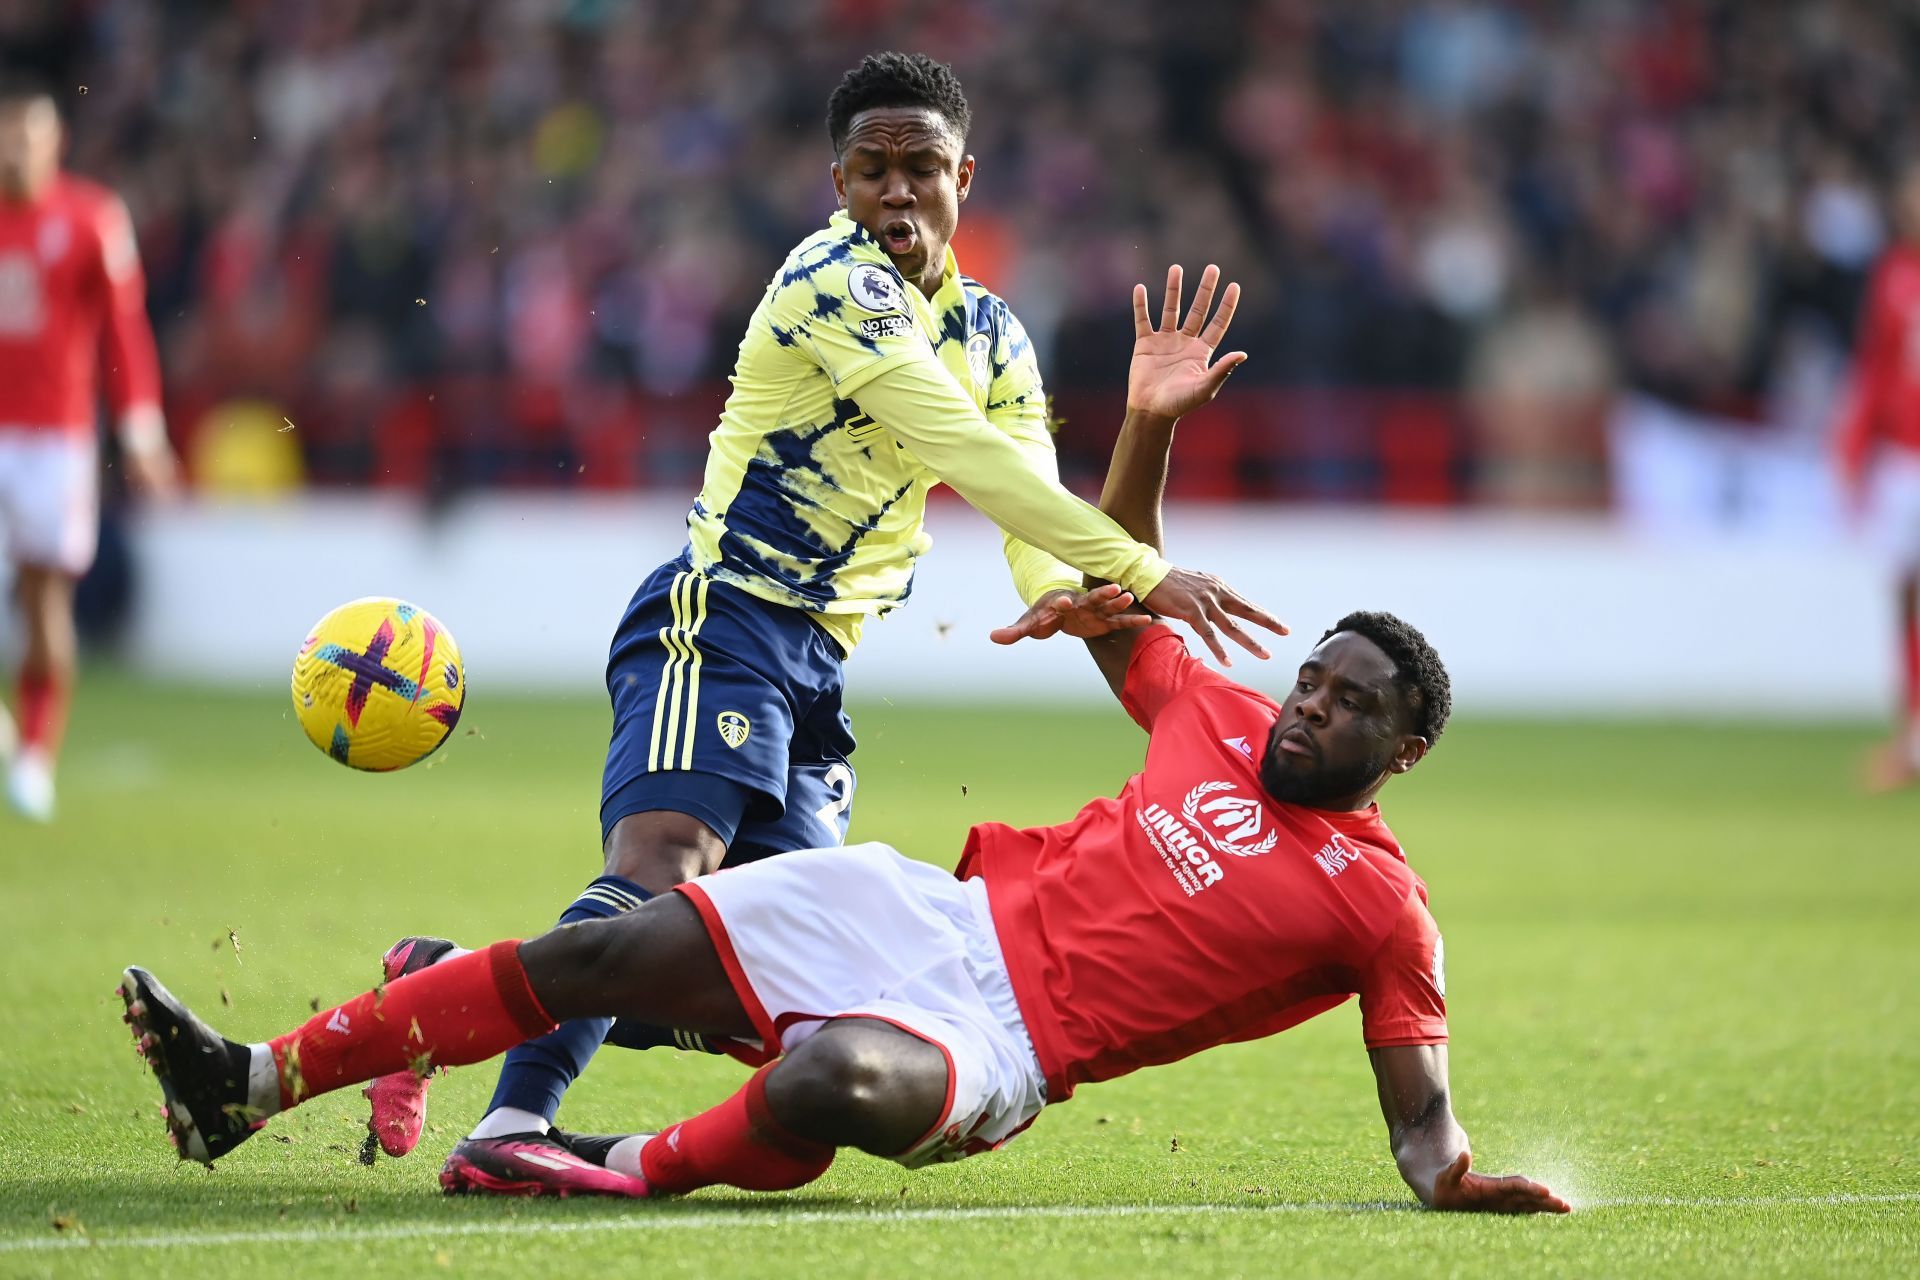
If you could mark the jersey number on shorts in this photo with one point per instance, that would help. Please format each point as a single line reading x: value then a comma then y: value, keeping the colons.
x: 840, y: 780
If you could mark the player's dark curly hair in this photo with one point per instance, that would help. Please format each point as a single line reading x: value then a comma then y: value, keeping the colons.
x: 897, y: 80
x: 1418, y: 672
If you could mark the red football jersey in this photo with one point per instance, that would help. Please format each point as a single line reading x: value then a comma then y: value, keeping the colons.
x: 1193, y: 909
x: 72, y: 305
x: 1883, y: 404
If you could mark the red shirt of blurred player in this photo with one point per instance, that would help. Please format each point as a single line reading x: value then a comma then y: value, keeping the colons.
x: 1883, y: 406
x: 1194, y: 909
x: 72, y: 297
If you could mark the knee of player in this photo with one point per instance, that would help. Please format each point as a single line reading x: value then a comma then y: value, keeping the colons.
x: 859, y: 1086
x: 834, y: 1074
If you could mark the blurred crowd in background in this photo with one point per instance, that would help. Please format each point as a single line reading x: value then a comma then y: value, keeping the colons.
x: 465, y: 242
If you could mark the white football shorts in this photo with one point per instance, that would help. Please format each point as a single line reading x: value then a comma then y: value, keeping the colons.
x: 1893, y: 508
x: 865, y: 932
x: 49, y: 498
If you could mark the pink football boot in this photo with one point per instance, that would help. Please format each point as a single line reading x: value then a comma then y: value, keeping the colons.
x: 536, y: 1164
x: 400, y: 1100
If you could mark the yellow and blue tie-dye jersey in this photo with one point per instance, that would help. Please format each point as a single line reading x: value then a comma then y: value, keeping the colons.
x: 853, y: 395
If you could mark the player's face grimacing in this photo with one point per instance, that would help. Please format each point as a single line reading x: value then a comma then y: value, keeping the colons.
x: 902, y: 176
x: 1343, y: 730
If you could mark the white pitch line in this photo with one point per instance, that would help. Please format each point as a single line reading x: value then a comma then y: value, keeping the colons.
x: 745, y: 1217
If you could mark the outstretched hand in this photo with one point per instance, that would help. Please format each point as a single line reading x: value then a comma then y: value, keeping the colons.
x: 1170, y: 375
x: 1204, y: 602
x: 1460, y: 1190
x: 1086, y: 615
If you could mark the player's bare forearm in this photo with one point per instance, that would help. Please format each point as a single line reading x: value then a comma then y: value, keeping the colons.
x: 1429, y: 1146
x: 1136, y: 483
x: 1137, y: 476
x: 1412, y: 1083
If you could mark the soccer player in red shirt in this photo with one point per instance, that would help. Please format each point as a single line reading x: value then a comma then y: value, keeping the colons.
x: 1878, y: 441
x: 72, y: 310
x: 1240, y: 883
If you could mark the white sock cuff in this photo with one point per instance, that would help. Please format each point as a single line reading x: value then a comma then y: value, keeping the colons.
x: 508, y: 1120
x: 263, y: 1081
x: 624, y: 1155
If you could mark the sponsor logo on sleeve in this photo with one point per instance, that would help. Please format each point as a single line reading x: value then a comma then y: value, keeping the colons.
x: 886, y: 327
x: 875, y: 289
x: 1337, y: 854
x: 1440, y: 965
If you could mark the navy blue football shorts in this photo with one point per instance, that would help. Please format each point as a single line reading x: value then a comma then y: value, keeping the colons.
x: 728, y: 708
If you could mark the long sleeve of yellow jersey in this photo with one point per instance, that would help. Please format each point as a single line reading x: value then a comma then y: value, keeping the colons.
x: 841, y: 306
x: 919, y: 402
x: 1017, y: 407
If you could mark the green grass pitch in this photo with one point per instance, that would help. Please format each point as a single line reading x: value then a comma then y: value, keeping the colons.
x: 1683, y: 967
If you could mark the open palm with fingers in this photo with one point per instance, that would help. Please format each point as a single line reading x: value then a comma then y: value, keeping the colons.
x: 1463, y: 1191
x: 1173, y: 370
x: 1086, y: 614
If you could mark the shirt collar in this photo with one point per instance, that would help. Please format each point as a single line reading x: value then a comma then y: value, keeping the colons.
x: 950, y: 265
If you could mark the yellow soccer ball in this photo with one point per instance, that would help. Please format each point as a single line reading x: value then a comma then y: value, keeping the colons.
x: 378, y: 685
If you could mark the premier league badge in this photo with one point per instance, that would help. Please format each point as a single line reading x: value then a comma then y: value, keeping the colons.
x: 875, y: 288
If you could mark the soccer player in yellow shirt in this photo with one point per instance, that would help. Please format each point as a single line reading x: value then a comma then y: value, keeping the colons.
x: 871, y: 371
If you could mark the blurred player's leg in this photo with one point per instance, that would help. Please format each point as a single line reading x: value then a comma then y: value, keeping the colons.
x: 1905, y: 751
x: 51, y: 503
x: 43, y: 688
x: 1895, y: 529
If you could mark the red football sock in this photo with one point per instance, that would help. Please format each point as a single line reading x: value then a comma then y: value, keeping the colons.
x: 738, y: 1143
x: 459, y: 1011
x: 42, y: 700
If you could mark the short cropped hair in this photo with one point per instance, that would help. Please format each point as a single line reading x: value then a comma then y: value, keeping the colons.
x: 897, y: 80
x: 1425, y: 690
